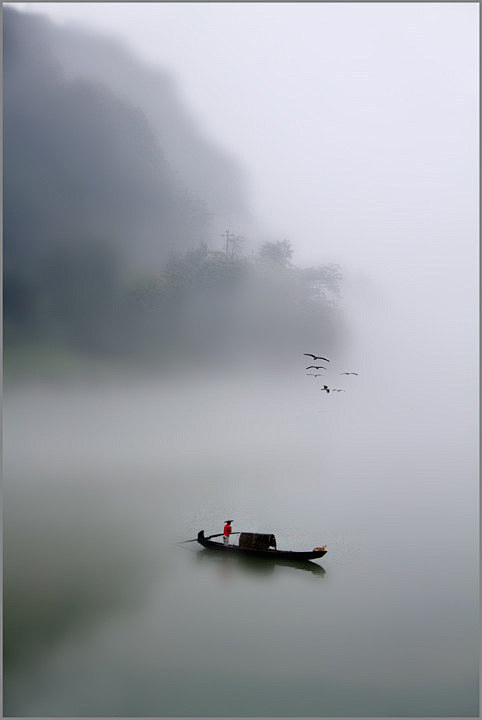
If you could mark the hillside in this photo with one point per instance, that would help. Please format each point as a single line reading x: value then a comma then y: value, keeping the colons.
x: 113, y: 201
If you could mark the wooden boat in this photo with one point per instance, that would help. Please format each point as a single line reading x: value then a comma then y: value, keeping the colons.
x: 262, y: 552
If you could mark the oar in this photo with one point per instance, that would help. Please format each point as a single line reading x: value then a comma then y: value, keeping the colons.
x: 208, y: 537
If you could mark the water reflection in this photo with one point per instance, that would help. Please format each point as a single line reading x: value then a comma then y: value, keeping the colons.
x: 256, y: 566
x: 71, y: 562
x: 37, y: 623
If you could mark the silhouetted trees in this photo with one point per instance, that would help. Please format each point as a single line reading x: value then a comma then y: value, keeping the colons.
x: 208, y: 303
x: 277, y: 253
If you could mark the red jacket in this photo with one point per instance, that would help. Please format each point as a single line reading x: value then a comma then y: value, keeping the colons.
x: 227, y: 530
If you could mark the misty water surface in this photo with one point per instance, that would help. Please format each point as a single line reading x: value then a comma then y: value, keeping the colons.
x: 105, y: 616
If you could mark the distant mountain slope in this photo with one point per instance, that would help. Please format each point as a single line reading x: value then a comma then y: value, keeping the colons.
x: 96, y: 144
x: 209, y: 172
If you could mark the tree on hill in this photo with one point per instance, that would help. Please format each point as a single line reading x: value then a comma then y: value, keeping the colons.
x: 277, y: 253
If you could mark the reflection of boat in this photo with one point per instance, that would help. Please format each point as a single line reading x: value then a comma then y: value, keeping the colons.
x: 253, y: 549
x: 260, y: 565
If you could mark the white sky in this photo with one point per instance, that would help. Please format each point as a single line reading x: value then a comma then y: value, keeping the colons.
x: 357, y: 123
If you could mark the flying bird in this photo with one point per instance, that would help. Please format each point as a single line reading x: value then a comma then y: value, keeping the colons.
x: 337, y: 390
x: 315, y: 374
x: 325, y: 388
x: 315, y: 367
x: 351, y: 373
x: 316, y: 357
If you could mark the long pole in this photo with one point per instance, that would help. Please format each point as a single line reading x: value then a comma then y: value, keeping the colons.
x: 208, y: 538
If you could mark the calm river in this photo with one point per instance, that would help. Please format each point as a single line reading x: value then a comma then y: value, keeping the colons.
x: 105, y: 616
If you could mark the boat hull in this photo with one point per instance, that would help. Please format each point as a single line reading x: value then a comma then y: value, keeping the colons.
x: 252, y: 552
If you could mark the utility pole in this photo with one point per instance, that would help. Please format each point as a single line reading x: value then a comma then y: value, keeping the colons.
x: 228, y: 237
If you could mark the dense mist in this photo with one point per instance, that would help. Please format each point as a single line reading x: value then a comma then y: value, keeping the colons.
x: 158, y: 325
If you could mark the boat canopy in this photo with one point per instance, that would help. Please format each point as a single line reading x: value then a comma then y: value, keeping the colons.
x: 256, y: 541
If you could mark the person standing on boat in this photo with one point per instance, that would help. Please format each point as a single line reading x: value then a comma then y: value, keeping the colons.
x: 227, y: 531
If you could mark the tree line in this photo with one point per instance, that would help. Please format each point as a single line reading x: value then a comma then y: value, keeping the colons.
x: 201, y: 303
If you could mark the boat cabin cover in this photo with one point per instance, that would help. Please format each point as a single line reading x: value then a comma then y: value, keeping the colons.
x: 257, y: 541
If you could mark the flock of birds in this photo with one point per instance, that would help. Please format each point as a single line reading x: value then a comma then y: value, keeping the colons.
x: 325, y: 388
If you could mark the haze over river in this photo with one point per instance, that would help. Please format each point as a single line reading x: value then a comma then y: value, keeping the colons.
x: 228, y: 181
x: 105, y: 616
